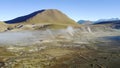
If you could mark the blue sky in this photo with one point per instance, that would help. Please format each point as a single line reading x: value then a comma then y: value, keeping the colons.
x: 75, y: 9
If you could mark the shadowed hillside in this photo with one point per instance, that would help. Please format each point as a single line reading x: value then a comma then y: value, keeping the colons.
x: 23, y: 18
x: 112, y: 24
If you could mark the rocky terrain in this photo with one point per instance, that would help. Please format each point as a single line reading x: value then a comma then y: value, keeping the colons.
x: 60, y: 49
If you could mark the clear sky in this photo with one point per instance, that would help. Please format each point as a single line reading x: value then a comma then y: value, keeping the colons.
x: 75, y: 9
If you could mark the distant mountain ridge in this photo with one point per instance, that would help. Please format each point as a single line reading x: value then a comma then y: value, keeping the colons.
x: 85, y: 22
x: 108, y: 22
x: 101, y: 24
x: 112, y: 23
x: 105, y: 20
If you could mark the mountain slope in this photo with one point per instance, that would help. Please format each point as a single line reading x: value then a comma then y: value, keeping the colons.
x: 23, y: 18
x: 3, y: 26
x: 49, y: 18
x: 52, y: 16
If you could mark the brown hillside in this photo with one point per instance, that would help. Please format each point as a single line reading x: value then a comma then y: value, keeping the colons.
x: 3, y: 26
x: 51, y: 18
